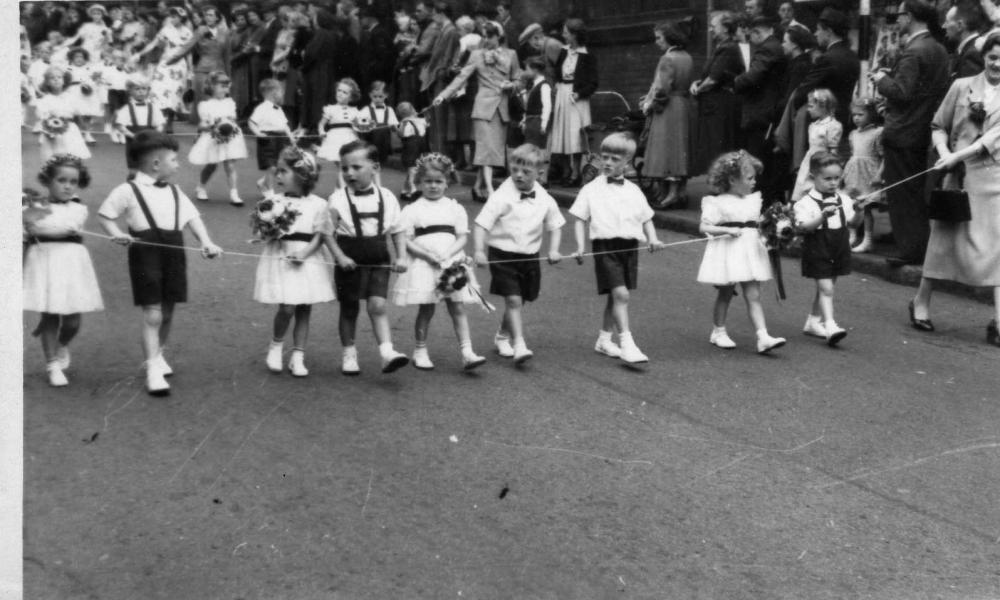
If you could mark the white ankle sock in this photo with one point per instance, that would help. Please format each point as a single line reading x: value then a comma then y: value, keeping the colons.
x: 603, y: 336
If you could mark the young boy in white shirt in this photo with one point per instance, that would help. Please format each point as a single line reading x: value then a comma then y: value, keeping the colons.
x: 138, y: 114
x: 270, y: 124
x: 513, y: 218
x: 619, y: 219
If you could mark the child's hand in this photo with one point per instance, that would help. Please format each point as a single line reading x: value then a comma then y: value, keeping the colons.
x: 578, y: 256
x: 480, y: 259
x: 123, y: 239
x: 210, y: 250
x: 399, y: 266
x: 294, y: 258
x: 656, y: 245
x: 735, y: 231
x: 554, y: 257
x: 829, y: 210
x: 347, y: 263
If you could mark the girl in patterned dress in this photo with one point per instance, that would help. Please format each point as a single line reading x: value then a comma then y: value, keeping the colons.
x: 59, y: 279
x: 436, y: 229
x: 171, y: 73
x: 824, y: 134
x: 863, y: 170
x: 337, y: 124
x: 220, y: 139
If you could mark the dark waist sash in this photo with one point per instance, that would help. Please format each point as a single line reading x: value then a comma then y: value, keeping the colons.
x: 741, y: 224
x: 44, y: 239
x: 298, y: 237
x: 419, y: 231
x: 330, y: 126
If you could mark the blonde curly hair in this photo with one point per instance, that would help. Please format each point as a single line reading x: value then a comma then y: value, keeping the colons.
x: 434, y: 161
x: 729, y: 168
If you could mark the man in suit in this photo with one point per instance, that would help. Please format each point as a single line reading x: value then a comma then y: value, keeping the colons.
x: 912, y: 91
x: 761, y: 89
x: 272, y: 26
x: 511, y: 31
x: 376, y: 54
x: 421, y: 52
x: 436, y: 73
x: 962, y: 25
x: 837, y: 69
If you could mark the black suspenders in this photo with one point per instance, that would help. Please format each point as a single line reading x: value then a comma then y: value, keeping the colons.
x: 357, y: 216
x: 149, y: 216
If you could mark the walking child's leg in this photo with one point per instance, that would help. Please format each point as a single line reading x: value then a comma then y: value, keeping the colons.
x: 206, y: 173
x: 608, y: 320
x: 48, y: 332
x: 391, y: 360
x: 300, y: 333
x: 619, y: 298
x: 152, y: 319
x: 824, y: 299
x: 282, y: 319
x: 68, y: 329
x: 461, y: 323
x: 424, y: 314
x: 230, y: 169
x: 721, y: 310
x: 348, y: 322
x: 166, y: 321
x: 751, y: 295
x: 816, y: 311
x: 513, y: 325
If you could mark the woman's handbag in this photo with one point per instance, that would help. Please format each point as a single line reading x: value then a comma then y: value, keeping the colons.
x: 950, y: 205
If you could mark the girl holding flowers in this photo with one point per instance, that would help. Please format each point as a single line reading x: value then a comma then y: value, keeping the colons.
x: 57, y: 113
x: 436, y: 229
x: 293, y: 222
x: 220, y: 139
x: 59, y: 279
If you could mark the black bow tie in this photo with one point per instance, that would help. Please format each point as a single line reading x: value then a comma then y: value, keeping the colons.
x: 616, y: 180
x: 527, y: 195
x: 160, y: 184
x: 140, y: 104
x: 367, y: 192
x: 54, y: 201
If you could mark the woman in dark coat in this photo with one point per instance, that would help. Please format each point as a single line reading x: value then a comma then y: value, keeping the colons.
x: 718, y: 115
x: 248, y: 30
x: 317, y: 70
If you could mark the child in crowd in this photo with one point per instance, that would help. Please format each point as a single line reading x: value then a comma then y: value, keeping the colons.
x: 115, y: 78
x: 824, y: 134
x: 59, y: 279
x: 436, y: 229
x: 85, y: 90
x: 40, y: 54
x: 365, y: 217
x: 738, y: 254
x: 138, y: 114
x: 537, y: 108
x: 619, y: 218
x: 413, y: 136
x: 513, y: 219
x: 383, y: 118
x: 270, y: 124
x: 825, y: 214
x: 156, y: 212
x: 863, y: 171
x: 337, y: 124
x: 57, y: 113
x: 220, y: 139
x: 286, y: 273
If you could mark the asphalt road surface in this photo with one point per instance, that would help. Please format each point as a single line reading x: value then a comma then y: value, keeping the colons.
x: 868, y: 471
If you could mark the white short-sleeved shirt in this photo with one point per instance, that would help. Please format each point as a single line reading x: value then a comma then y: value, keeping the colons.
x: 807, y: 209
x: 425, y: 213
x: 160, y: 201
x: 613, y: 211
x: 364, y: 204
x: 142, y: 113
x: 516, y: 224
x: 268, y: 116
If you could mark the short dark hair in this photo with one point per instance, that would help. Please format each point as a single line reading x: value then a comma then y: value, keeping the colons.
x: 371, y: 152
x: 822, y: 160
x: 676, y: 33
x: 149, y: 141
x: 579, y: 30
x: 992, y: 40
x: 801, y: 37
x: 922, y: 11
x: 535, y: 63
x: 440, y: 6
x: 971, y: 13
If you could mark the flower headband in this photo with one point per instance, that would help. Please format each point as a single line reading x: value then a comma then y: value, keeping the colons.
x: 436, y: 161
x: 302, y: 163
x: 63, y: 160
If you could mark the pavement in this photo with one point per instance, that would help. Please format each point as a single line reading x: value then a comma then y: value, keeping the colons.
x: 866, y: 471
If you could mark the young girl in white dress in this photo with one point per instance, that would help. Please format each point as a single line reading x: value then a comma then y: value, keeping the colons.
x: 218, y: 110
x: 338, y: 123
x: 59, y: 279
x: 824, y: 134
x: 738, y: 254
x: 86, y: 89
x: 56, y: 105
x: 293, y: 272
x: 436, y: 229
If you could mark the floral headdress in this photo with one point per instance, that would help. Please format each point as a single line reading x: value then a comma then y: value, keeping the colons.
x: 64, y: 160
x: 434, y: 161
x: 302, y: 163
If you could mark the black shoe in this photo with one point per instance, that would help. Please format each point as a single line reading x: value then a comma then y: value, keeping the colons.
x: 992, y: 333
x: 925, y: 324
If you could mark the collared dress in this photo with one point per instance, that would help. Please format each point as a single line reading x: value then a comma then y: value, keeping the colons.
x: 340, y: 131
x: 279, y: 281
x: 59, y: 277
x: 425, y: 222
x: 728, y: 260
x: 865, y: 165
x: 205, y: 149
x: 824, y: 135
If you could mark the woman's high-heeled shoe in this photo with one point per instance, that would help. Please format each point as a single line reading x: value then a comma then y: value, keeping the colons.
x: 920, y: 324
x: 993, y: 333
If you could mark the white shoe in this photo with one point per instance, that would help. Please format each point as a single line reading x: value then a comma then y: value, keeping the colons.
x: 503, y: 346
x: 62, y: 357
x: 864, y: 246
x: 274, y: 352
x: 608, y: 348
x: 296, y: 363
x: 88, y: 138
x: 201, y: 193
x: 422, y: 360
x: 471, y: 360
x: 56, y: 376
x: 234, y: 198
x: 349, y: 364
x: 834, y: 333
x: 393, y: 361
x: 720, y: 338
x: 522, y: 354
x: 766, y: 343
x: 161, y: 363
x: 814, y: 327
x: 631, y: 353
x: 156, y: 384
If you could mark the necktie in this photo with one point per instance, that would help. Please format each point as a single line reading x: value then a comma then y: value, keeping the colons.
x: 527, y: 195
x: 367, y: 192
x: 616, y: 180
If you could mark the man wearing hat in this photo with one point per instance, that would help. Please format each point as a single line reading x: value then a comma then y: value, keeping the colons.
x: 912, y: 91
x: 761, y: 89
x: 545, y: 46
x: 837, y: 69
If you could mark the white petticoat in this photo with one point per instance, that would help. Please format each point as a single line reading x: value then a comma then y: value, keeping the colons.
x: 59, y: 278
x: 281, y: 282
x: 206, y: 151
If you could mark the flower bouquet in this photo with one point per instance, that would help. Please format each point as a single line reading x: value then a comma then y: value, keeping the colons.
x: 777, y: 232
x: 456, y: 277
x: 272, y: 218
x: 53, y: 126
x: 224, y: 130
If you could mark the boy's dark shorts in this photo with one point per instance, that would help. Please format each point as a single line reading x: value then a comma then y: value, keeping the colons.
x: 522, y: 278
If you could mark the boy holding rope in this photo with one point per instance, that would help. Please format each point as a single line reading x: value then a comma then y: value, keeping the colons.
x: 156, y: 213
x: 619, y: 218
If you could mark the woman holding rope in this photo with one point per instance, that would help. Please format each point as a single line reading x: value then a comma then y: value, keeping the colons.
x: 966, y: 132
